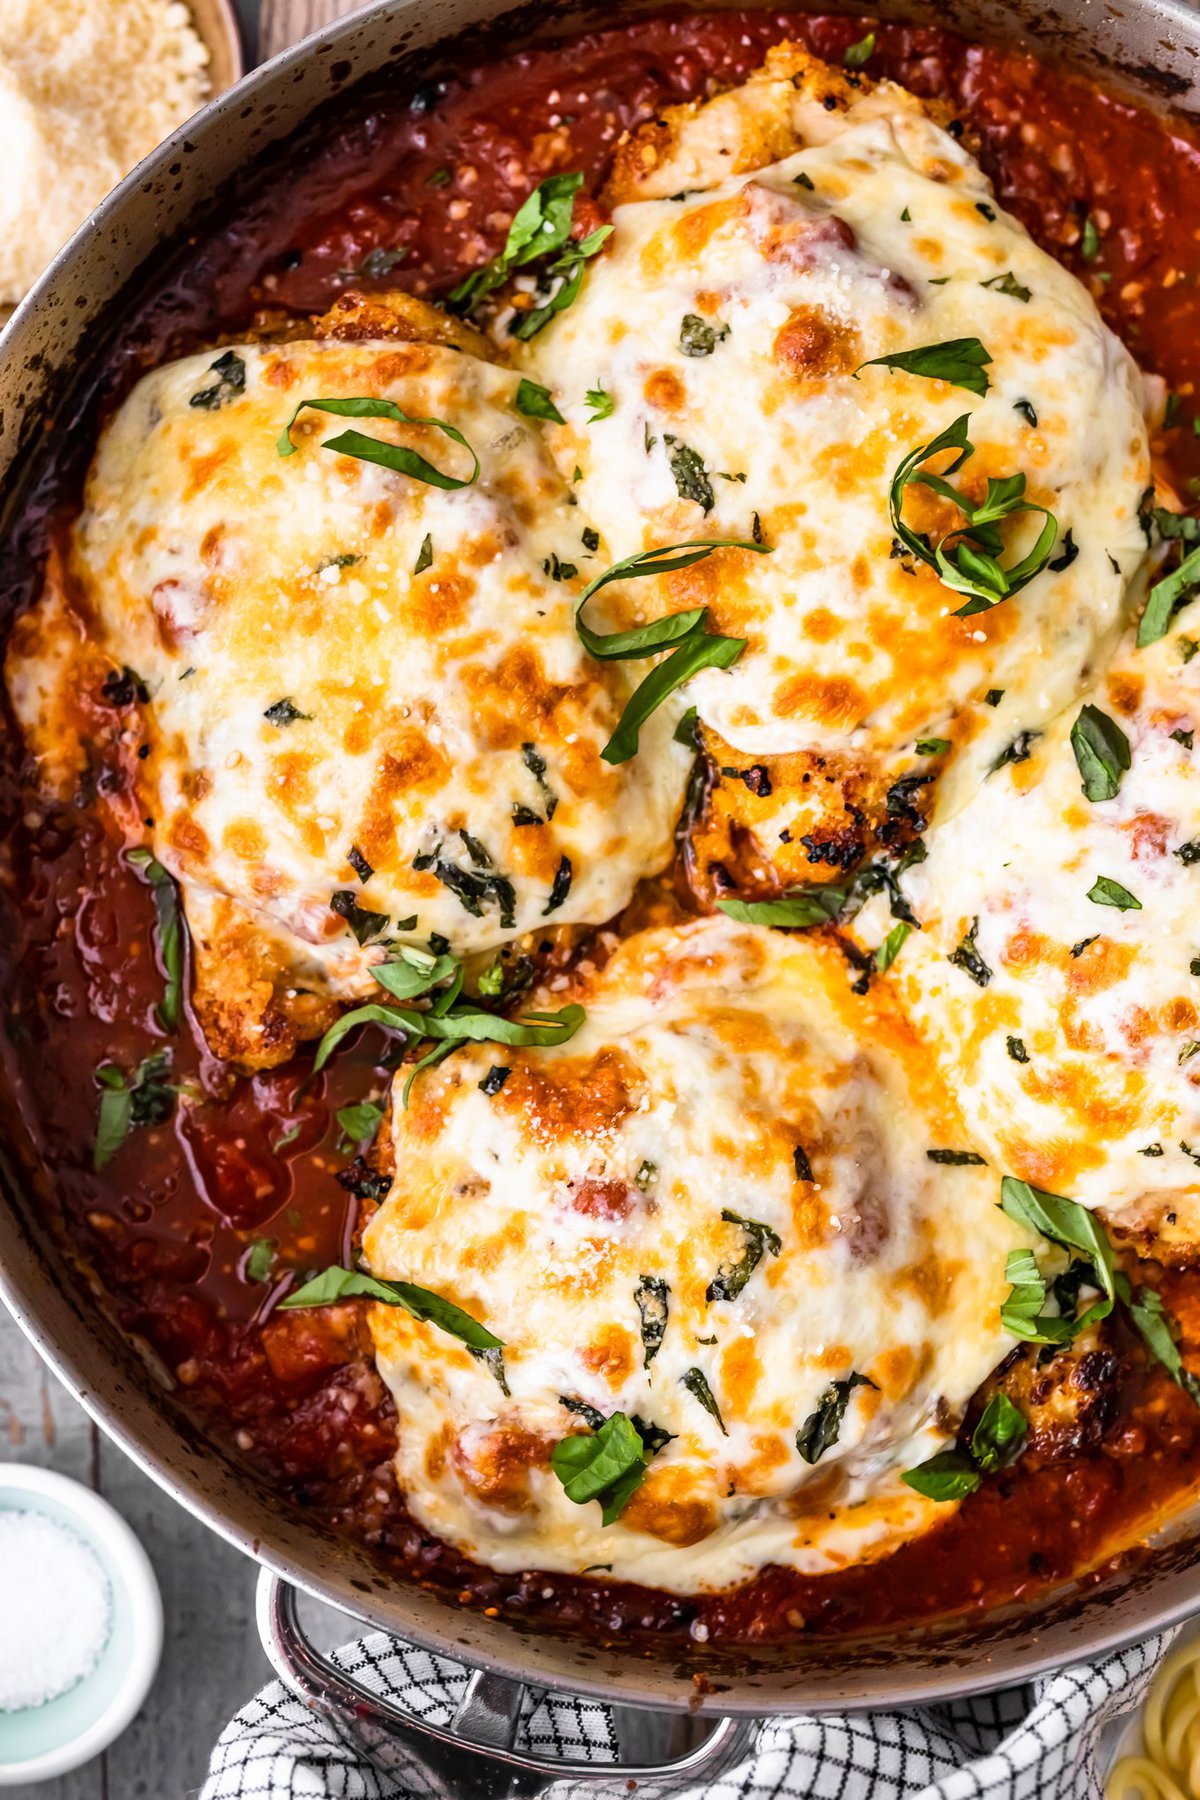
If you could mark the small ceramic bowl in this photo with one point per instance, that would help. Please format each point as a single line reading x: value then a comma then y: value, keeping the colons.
x: 37, y: 1742
x: 216, y: 24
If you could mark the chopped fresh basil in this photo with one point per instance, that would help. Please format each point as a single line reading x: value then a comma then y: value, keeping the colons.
x: 169, y: 932
x: 687, y: 467
x: 857, y: 54
x: 989, y: 212
x: 968, y: 959
x: 648, y: 640
x: 1022, y: 1310
x: 1160, y: 1334
x: 947, y: 1476
x: 143, y: 1099
x: 424, y: 555
x: 364, y: 924
x: 820, y: 1430
x: 1167, y: 597
x: 1186, y: 738
x: 361, y: 1121
x: 696, y: 1384
x: 732, y: 1276
x: 439, y: 178
x: 380, y: 262
x: 1008, y: 285
x: 796, y: 910
x: 359, y: 863
x: 1019, y: 751
x: 960, y: 361
x: 1188, y: 853
x: 395, y: 457
x: 607, y: 1465
x: 559, y: 571
x: 560, y: 887
x: 1089, y: 240
x: 284, y: 712
x: 699, y: 650
x: 1079, y: 948
x: 1169, y: 525
x: 1017, y: 1050
x: 1102, y: 753
x: 801, y: 1164
x: 541, y: 226
x: 887, y: 952
x: 260, y: 1260
x: 1066, y: 556
x: 348, y: 1284
x: 804, y: 181
x: 1026, y: 410
x: 1104, y: 891
x: 536, y: 403
x: 971, y: 566
x: 1069, y: 1225
x: 994, y: 696
x: 230, y: 371
x: 473, y: 890
x: 698, y: 338
x: 957, y: 1159
x: 590, y: 538
x: 999, y: 1434
x: 601, y: 403
x: 460, y: 1023
x: 652, y: 1298
x: 535, y: 762
x: 932, y: 746
x: 565, y: 276
x: 494, y: 1080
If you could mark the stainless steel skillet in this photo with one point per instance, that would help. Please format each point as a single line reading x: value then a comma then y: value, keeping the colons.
x: 50, y: 352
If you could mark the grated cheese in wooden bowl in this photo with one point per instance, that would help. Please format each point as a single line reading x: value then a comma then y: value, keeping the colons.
x: 87, y: 88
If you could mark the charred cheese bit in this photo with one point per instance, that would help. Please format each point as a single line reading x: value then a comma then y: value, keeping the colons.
x: 577, y: 1210
x: 727, y: 318
x: 359, y: 683
x: 1074, y: 1040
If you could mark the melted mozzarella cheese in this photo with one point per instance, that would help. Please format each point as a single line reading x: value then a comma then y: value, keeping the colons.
x: 728, y: 323
x: 1074, y: 1047
x: 711, y: 1054
x: 341, y: 658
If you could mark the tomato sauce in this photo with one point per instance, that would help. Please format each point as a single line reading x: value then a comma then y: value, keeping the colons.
x: 412, y: 192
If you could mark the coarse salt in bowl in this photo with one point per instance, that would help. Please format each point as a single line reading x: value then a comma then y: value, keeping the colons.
x: 80, y: 1629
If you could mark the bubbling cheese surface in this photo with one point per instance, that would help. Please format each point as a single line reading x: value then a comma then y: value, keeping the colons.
x: 1072, y: 1034
x: 727, y: 320
x: 711, y: 1054
x: 339, y: 657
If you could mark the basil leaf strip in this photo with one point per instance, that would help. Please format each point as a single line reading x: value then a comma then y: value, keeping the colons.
x: 695, y: 1382
x: 459, y: 1025
x: 1166, y: 597
x: 960, y: 361
x: 1066, y: 1223
x: 541, y: 225
x: 732, y: 1277
x: 1104, y: 891
x: 999, y: 1434
x: 821, y: 1428
x: 1160, y: 1332
x: 347, y: 1284
x: 793, y: 911
x: 170, y: 928
x: 947, y: 1476
x: 652, y: 1298
x: 373, y: 450
x: 608, y: 1465
x: 971, y: 566
x: 1022, y: 1311
x: 646, y: 640
x: 699, y: 650
x: 1102, y: 753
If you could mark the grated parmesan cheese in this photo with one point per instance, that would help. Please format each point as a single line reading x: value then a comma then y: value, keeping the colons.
x: 87, y: 88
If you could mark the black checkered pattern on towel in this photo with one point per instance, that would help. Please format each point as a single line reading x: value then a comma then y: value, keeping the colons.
x: 1032, y: 1743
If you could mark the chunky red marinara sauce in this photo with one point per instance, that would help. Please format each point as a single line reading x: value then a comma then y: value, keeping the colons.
x: 170, y: 1224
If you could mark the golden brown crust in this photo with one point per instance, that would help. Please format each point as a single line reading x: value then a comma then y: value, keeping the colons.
x: 356, y: 317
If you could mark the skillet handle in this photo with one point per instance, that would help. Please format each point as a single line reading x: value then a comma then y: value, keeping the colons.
x: 474, y: 1755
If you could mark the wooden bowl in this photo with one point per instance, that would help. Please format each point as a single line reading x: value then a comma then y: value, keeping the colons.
x: 215, y: 21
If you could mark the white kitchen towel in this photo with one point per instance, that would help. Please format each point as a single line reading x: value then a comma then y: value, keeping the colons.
x: 1037, y: 1742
